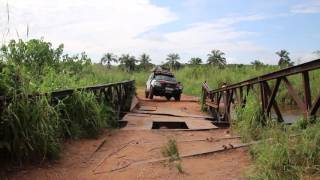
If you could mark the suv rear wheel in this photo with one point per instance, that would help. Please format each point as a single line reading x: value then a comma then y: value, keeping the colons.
x: 151, y: 93
x: 177, y: 97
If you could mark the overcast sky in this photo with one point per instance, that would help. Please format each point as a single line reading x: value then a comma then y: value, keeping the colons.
x: 244, y: 29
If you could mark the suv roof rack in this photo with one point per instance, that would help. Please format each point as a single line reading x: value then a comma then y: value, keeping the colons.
x: 162, y: 70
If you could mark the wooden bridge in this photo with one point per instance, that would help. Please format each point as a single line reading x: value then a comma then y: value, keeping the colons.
x: 219, y: 101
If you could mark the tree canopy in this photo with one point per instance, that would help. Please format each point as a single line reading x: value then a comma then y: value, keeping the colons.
x: 144, y: 61
x: 108, y: 58
x: 216, y: 58
x: 195, y: 61
x: 172, y: 60
x: 128, y: 62
x: 284, y: 60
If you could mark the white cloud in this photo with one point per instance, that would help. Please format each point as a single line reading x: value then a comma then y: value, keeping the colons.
x: 308, y: 7
x: 302, y: 57
x: 198, y: 39
x: 129, y: 26
x: 95, y: 26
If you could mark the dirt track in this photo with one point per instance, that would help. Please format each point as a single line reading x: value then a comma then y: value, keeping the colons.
x: 121, y: 154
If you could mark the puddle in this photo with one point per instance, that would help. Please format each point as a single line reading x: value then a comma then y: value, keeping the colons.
x: 290, y: 113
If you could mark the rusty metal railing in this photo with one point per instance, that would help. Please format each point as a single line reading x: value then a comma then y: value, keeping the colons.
x: 116, y: 94
x: 238, y: 92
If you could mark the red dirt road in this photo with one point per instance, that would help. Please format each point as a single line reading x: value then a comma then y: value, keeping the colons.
x: 123, y: 153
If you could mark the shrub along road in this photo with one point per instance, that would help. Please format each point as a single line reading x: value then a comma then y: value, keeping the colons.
x: 139, y: 152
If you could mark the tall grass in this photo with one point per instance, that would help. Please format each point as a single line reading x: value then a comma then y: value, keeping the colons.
x: 29, y: 129
x: 85, y: 116
x: 33, y: 128
x: 290, y: 153
x: 284, y: 152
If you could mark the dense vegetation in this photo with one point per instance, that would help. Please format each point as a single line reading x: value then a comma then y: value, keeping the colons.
x: 283, y: 152
x: 33, y: 128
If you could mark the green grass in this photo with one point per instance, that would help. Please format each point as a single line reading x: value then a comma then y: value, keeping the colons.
x: 85, y: 116
x: 171, y: 150
x: 284, y: 152
x: 29, y: 129
x: 285, y: 156
x: 35, y: 128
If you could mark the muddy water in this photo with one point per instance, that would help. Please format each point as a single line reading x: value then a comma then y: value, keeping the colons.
x: 290, y: 113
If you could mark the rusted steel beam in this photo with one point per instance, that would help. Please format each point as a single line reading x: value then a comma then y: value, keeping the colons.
x: 295, y: 95
x: 230, y: 100
x: 219, y: 99
x: 274, y: 102
x: 228, y: 105
x: 241, y: 95
x: 315, y: 106
x: 312, y: 65
x: 263, y: 96
x: 307, y: 91
x: 273, y: 95
x: 67, y: 92
x: 225, y: 104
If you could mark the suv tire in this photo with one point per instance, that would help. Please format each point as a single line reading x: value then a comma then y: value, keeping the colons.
x: 177, y: 97
x: 151, y: 93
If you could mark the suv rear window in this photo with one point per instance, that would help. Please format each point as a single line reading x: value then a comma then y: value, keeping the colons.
x: 166, y: 78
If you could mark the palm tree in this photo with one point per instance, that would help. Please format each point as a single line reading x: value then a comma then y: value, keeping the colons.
x: 128, y: 61
x: 257, y: 63
x: 144, y: 60
x: 108, y: 58
x: 172, y: 60
x: 195, y: 61
x: 284, y: 60
x: 216, y: 58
